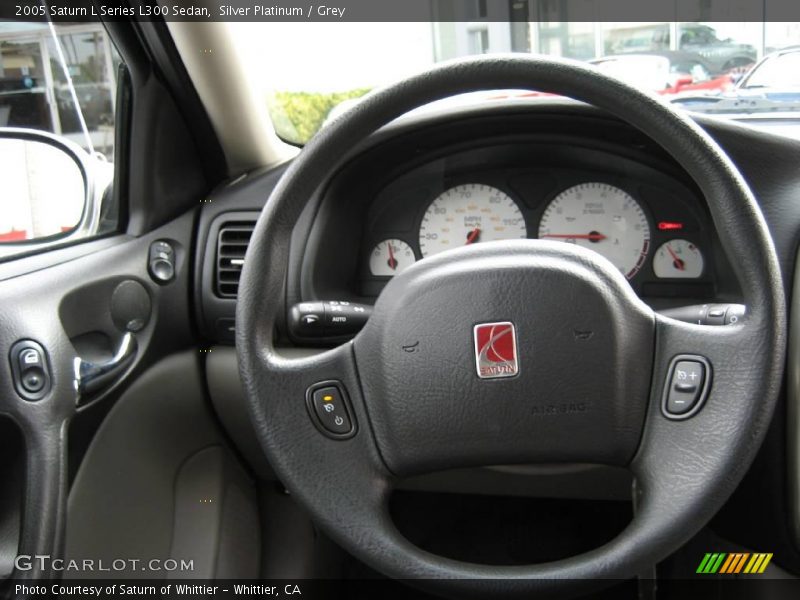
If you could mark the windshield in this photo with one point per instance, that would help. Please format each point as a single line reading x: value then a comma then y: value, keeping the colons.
x: 325, y: 67
x: 646, y: 72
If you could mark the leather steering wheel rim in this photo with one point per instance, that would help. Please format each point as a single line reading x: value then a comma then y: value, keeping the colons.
x: 684, y: 470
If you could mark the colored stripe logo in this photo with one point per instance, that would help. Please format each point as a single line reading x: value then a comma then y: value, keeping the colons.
x: 734, y: 563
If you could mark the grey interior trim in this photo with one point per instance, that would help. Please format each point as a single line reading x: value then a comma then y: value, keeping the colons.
x: 133, y: 467
x: 230, y: 404
x: 216, y: 518
x: 793, y: 405
x: 293, y: 548
x: 227, y: 398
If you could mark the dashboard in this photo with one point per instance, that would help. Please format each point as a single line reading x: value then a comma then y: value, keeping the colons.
x: 408, y: 199
x: 567, y: 174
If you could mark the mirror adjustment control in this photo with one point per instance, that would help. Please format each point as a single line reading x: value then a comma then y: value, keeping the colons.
x: 30, y: 369
x: 687, y: 385
x: 330, y: 409
x: 161, y: 262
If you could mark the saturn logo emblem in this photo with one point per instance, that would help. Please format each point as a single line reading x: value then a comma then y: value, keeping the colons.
x: 496, y: 350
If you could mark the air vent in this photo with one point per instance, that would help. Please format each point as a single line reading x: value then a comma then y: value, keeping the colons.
x: 231, y: 247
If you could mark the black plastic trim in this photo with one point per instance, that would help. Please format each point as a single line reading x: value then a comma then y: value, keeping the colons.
x: 244, y: 195
x: 216, y: 309
x: 155, y: 36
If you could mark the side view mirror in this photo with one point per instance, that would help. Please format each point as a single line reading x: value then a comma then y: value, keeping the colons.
x: 50, y: 190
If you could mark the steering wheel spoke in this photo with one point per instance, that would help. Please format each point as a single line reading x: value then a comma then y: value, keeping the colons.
x: 687, y: 451
x: 306, y: 405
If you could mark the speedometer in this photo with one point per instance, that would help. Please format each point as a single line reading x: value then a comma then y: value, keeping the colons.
x: 603, y: 218
x: 467, y: 214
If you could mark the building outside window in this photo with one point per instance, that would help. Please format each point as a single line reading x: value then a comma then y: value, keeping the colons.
x: 41, y: 77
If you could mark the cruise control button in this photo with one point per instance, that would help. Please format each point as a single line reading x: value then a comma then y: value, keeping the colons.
x: 687, y: 386
x: 330, y: 409
x: 716, y: 315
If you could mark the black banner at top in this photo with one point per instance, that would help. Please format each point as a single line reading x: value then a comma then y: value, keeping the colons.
x: 402, y: 10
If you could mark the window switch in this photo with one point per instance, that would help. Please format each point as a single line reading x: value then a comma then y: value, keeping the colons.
x: 30, y: 370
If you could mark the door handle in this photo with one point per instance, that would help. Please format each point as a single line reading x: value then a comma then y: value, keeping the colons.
x: 92, y: 376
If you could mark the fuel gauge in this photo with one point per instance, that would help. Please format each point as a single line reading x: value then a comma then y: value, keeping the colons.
x: 678, y: 259
x: 390, y: 257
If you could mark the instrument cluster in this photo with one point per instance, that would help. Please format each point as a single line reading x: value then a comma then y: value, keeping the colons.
x: 653, y: 230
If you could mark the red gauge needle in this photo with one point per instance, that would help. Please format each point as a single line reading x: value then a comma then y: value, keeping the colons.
x: 678, y: 263
x: 593, y: 237
x: 392, y: 262
x: 473, y: 235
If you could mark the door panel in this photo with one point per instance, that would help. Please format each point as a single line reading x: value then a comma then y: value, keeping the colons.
x: 66, y: 308
x: 159, y: 482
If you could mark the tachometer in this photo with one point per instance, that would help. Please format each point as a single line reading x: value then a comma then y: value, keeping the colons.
x: 603, y: 218
x: 468, y: 214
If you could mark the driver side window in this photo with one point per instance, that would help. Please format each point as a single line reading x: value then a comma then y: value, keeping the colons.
x: 57, y: 132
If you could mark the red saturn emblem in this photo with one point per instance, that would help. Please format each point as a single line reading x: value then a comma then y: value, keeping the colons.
x: 496, y: 350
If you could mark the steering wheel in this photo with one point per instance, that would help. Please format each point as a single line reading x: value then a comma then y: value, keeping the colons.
x: 581, y: 341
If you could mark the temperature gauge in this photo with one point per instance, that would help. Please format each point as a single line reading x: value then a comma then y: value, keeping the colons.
x: 390, y: 257
x: 678, y: 259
